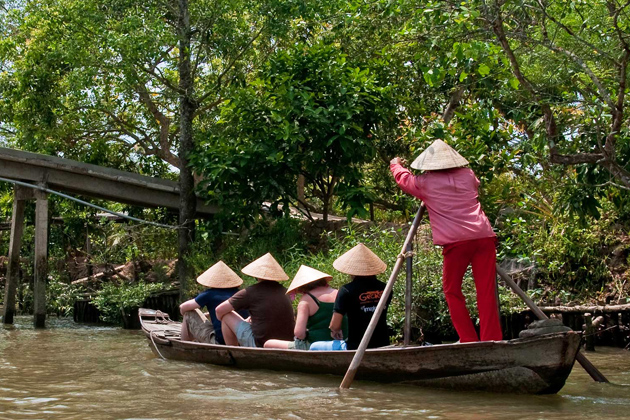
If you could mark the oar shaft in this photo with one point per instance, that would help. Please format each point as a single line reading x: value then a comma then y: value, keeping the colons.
x: 408, y: 293
x: 540, y: 314
x: 367, y: 336
x: 582, y: 360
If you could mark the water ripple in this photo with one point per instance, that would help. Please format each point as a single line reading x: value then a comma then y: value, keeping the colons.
x: 70, y: 371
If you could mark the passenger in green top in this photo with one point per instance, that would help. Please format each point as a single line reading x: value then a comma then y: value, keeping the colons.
x: 314, y: 310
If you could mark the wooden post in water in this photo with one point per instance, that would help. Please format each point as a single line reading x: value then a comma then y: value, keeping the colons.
x: 41, y: 259
x: 589, y: 332
x: 358, y: 356
x: 408, y: 293
x: 582, y: 360
x: 20, y: 195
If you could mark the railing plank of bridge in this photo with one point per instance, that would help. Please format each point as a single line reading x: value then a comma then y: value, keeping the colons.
x: 93, y: 180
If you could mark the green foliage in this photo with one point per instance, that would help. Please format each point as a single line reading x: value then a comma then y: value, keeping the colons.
x: 101, y: 77
x: 331, y: 91
x: 310, y: 112
x: 60, y: 297
x: 277, y: 236
x: 567, y: 248
x: 112, y: 300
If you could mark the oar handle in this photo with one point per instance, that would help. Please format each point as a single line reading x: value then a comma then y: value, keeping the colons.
x: 367, y: 336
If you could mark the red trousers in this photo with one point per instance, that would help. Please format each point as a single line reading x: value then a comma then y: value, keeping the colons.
x: 481, y: 253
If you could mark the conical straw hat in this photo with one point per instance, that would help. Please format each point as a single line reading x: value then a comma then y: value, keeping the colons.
x: 306, y: 275
x: 439, y: 156
x: 360, y: 261
x: 265, y: 268
x: 220, y: 276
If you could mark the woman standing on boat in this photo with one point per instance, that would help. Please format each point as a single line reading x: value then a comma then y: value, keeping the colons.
x: 222, y: 284
x: 459, y: 225
x: 314, y: 311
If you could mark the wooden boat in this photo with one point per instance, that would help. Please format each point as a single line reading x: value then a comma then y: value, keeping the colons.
x: 535, y: 365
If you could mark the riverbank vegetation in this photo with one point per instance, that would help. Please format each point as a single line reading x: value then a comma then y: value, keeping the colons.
x: 300, y: 105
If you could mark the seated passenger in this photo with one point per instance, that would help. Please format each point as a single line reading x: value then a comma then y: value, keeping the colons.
x: 358, y: 299
x: 222, y: 283
x: 314, y: 311
x: 269, y: 307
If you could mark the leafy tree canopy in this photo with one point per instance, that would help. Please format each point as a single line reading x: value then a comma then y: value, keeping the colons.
x: 310, y: 112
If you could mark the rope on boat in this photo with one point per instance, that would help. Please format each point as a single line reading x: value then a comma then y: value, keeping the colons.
x: 599, y: 332
x: 407, y: 254
x: 155, y: 345
x: 162, y: 317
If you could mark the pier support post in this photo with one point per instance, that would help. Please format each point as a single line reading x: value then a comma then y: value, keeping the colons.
x: 20, y: 195
x: 41, y: 259
x: 589, y: 332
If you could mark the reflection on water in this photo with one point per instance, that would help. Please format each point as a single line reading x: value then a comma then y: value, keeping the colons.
x: 70, y: 371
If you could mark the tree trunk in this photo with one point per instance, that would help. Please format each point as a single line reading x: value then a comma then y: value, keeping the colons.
x: 300, y: 189
x: 187, y: 200
x: 325, y: 205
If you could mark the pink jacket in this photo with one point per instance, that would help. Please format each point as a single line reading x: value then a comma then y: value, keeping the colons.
x: 452, y: 199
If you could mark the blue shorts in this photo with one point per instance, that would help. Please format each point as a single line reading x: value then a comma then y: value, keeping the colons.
x: 245, y: 335
x: 329, y: 345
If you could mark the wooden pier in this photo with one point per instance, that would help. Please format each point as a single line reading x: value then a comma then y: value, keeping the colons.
x: 70, y: 177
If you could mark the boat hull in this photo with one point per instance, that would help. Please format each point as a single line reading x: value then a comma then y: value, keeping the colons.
x: 536, y: 365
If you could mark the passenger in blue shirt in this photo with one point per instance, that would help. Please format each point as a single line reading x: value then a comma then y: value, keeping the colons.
x: 223, y: 283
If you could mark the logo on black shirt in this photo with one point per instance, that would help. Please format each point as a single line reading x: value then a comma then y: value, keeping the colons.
x: 372, y: 295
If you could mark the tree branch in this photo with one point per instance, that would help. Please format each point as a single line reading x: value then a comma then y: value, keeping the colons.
x: 569, y: 31
x: 577, y: 158
x: 122, y: 124
x: 617, y: 111
x: 7, y: 130
x: 550, y: 121
x: 164, y: 122
x: 614, y: 184
x: 622, y: 35
x: 453, y: 103
x: 208, y: 107
x: 618, y: 172
x: 229, y: 66
x: 600, y: 87
x: 162, y: 79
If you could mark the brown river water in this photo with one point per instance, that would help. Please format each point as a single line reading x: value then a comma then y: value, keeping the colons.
x: 69, y: 371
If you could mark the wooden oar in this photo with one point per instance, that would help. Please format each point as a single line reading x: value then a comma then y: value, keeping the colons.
x: 582, y: 360
x: 408, y: 293
x: 358, y: 356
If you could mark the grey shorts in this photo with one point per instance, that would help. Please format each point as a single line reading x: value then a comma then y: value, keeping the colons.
x: 200, y: 327
x: 298, y: 344
x: 244, y: 334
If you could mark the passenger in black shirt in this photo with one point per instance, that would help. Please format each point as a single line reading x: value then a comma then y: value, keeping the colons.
x: 358, y: 299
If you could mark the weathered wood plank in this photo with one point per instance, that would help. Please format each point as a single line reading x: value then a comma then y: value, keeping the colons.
x: 41, y: 259
x: 69, y: 165
x: 95, y: 181
x: 585, y: 308
x: 13, y: 270
x: 114, y: 271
